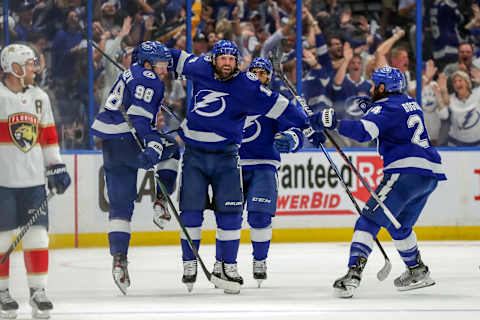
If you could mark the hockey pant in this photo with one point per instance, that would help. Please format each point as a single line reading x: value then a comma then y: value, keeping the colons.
x: 221, y: 170
x: 405, y: 195
x: 120, y: 167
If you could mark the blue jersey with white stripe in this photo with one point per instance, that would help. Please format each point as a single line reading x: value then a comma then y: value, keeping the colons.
x: 141, y: 92
x: 257, y: 150
x: 216, y: 115
x: 397, y: 122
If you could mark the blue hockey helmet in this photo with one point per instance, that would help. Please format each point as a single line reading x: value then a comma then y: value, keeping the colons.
x: 153, y: 52
x: 224, y: 47
x: 262, y: 63
x: 392, y: 78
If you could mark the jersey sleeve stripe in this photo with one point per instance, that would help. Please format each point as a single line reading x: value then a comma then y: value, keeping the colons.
x: 371, y: 128
x: 110, y: 128
x: 181, y: 61
x: 48, y: 136
x: 139, y: 111
x: 278, y: 108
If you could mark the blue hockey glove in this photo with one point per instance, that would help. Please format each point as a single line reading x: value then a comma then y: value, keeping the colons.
x: 58, y: 178
x: 363, y: 102
x: 316, y: 139
x: 285, y: 142
x: 322, y: 120
x: 158, y: 147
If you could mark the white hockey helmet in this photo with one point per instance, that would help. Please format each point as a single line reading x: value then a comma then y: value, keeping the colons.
x: 16, y: 53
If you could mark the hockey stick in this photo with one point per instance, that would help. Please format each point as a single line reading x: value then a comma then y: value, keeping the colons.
x: 37, y: 213
x: 115, y: 63
x: 276, y: 66
x: 224, y: 284
x: 385, y: 270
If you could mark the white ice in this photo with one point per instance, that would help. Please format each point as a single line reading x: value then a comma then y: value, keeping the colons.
x: 299, y: 285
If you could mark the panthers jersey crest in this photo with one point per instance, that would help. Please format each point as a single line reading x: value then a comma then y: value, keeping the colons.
x: 23, y: 129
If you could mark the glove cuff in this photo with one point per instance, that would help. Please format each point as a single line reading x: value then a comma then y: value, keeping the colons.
x: 296, y: 140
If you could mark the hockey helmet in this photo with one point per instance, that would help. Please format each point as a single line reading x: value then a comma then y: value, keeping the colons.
x: 16, y: 53
x: 262, y: 63
x: 392, y: 78
x: 153, y: 52
x: 225, y: 47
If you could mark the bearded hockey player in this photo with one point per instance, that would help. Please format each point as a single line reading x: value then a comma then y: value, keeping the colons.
x: 28, y: 146
x: 222, y: 98
x: 412, y: 169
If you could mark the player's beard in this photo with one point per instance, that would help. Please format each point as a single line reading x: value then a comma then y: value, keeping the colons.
x: 224, y: 75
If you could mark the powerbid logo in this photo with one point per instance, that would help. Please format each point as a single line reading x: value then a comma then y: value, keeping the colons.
x: 312, y: 187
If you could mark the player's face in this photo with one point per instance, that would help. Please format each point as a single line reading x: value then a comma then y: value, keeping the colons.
x: 160, y: 68
x: 30, y: 68
x: 261, y: 74
x: 225, y: 65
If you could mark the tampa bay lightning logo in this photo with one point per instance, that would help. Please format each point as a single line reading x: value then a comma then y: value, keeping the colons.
x: 209, y: 103
x: 251, y: 129
x: 470, y: 120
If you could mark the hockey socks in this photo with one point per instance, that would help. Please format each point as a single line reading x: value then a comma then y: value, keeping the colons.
x: 407, y: 248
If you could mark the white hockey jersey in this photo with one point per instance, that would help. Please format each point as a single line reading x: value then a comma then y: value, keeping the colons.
x: 465, y: 120
x: 28, y: 137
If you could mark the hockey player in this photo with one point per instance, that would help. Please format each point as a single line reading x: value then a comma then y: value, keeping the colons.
x: 28, y: 145
x: 222, y: 98
x: 412, y: 168
x: 263, y: 141
x: 140, y: 90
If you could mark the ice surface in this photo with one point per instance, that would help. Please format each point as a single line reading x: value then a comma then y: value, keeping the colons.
x: 299, y: 285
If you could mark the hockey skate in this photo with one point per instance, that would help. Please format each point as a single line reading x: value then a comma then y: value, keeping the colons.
x: 120, y: 272
x: 41, y: 305
x: 189, y: 274
x: 345, y: 286
x: 217, y: 271
x: 415, y: 277
x: 161, y: 214
x: 230, y: 273
x: 8, y: 306
x: 259, y: 271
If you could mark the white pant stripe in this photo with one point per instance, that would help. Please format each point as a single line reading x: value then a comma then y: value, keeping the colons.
x: 228, y: 235
x: 261, y: 235
x: 194, y: 232
x: 406, y: 244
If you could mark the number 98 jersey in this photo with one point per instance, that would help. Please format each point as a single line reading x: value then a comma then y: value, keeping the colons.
x: 141, y: 92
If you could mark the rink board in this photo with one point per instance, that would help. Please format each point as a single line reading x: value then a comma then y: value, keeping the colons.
x: 312, y: 205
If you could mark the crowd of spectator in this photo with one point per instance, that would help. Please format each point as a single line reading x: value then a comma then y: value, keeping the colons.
x: 343, y: 42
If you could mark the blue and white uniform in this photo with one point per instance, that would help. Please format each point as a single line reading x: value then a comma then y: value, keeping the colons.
x: 141, y: 92
x: 412, y: 168
x: 260, y: 160
x: 212, y: 132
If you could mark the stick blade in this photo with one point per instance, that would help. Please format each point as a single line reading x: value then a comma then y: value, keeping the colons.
x: 225, y: 284
x: 385, y: 271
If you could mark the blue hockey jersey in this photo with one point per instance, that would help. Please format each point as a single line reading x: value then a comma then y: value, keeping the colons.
x: 257, y: 150
x: 140, y: 91
x: 403, y: 143
x: 216, y: 115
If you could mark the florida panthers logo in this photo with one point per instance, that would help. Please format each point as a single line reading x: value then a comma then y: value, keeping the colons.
x: 209, y: 103
x: 251, y: 129
x: 23, y: 129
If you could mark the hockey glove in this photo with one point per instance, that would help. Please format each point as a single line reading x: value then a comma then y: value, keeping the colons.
x: 325, y: 119
x: 158, y: 147
x: 316, y: 139
x: 161, y: 213
x: 285, y: 142
x: 364, y: 103
x: 58, y: 178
